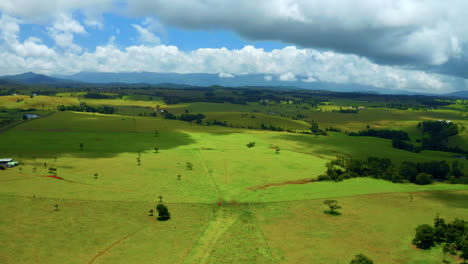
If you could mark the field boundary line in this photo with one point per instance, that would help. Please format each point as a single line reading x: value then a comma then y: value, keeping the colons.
x: 210, y: 175
x: 270, y: 252
x: 115, y: 244
x: 221, y: 223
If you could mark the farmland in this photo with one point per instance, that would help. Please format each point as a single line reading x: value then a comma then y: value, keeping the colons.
x: 234, y: 204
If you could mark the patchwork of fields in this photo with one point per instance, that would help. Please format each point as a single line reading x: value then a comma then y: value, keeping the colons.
x: 236, y: 205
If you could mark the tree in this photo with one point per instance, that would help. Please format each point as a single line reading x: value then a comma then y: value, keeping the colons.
x: 445, y: 249
x: 189, y: 166
x: 333, y: 205
x: 361, y: 259
x: 251, y: 145
x: 424, y: 238
x: 277, y: 150
x: 163, y: 212
x: 464, y: 249
x: 424, y: 178
x: 160, y: 198
x: 156, y: 150
x: 81, y: 146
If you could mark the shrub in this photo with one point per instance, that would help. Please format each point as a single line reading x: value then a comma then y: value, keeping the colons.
x: 424, y: 178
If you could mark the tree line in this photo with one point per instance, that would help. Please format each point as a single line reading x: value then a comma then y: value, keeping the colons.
x: 383, y: 168
x: 388, y: 134
x: 184, y: 117
x: 86, y: 108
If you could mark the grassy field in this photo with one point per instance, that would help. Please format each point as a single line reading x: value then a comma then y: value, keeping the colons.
x: 237, y: 204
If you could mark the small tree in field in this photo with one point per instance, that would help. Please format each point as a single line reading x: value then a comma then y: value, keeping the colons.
x: 189, y: 166
x: 361, y: 259
x: 277, y: 150
x: 156, y: 150
x: 163, y: 212
x: 333, y: 205
x: 424, y: 238
x: 160, y: 198
x: 81, y: 146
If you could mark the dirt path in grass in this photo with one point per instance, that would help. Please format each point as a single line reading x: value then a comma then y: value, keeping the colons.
x: 302, y: 181
x: 113, y: 245
x: 201, y: 251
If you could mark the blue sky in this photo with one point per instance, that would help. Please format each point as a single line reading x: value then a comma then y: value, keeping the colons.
x: 399, y: 44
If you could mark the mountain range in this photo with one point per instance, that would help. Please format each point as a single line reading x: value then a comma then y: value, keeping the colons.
x: 196, y: 80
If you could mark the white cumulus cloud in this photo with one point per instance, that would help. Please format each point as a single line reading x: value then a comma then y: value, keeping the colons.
x: 288, y: 77
x: 225, y: 75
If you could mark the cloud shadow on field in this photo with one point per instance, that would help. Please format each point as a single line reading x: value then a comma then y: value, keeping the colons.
x: 457, y: 199
x: 27, y: 145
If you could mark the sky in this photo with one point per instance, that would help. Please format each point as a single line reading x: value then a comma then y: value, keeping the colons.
x: 402, y: 45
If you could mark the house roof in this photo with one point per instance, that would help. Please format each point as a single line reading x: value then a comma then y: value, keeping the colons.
x: 5, y: 160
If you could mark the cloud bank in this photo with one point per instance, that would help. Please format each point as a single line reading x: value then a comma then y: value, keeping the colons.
x: 400, y: 44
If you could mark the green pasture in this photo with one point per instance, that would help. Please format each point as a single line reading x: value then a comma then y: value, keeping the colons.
x: 237, y: 204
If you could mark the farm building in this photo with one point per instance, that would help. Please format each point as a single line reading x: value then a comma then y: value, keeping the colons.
x: 4, y: 162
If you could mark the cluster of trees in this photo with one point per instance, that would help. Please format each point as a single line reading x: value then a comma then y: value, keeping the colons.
x: 388, y: 134
x: 94, y: 95
x: 383, y: 168
x: 86, y: 108
x: 347, y: 111
x: 454, y: 235
x: 185, y: 117
x: 271, y: 127
x: 217, y: 123
x: 315, y: 129
x: 332, y: 129
x: 436, y: 135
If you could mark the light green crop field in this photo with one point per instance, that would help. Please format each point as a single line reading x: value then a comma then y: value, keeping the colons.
x: 237, y: 204
x: 39, y: 102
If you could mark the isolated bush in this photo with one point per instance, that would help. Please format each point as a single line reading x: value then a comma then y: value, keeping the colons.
x: 424, y: 238
x: 2, y: 167
x: 424, y: 178
x: 361, y: 259
x: 323, y: 178
x: 163, y: 212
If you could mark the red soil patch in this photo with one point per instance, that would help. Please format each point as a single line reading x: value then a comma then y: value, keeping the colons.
x: 272, y: 147
x: 303, y: 181
x: 55, y: 177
